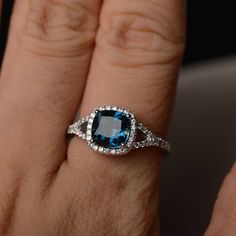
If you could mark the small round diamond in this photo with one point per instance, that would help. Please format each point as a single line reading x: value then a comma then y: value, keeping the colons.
x: 93, y: 115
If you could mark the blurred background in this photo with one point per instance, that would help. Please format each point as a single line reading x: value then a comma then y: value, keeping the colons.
x: 203, y: 130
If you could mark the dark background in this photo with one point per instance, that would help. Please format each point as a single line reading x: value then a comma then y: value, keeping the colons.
x: 211, y: 29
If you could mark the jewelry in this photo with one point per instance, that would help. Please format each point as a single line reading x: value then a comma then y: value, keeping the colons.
x: 111, y: 130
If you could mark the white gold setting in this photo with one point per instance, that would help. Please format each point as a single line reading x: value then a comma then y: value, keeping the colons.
x: 150, y: 139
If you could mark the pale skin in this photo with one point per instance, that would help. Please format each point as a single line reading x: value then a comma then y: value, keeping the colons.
x: 66, y: 54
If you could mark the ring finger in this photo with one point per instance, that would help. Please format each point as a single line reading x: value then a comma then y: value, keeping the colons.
x: 138, y: 52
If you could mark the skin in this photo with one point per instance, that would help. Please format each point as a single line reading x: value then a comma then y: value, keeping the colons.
x: 68, y: 54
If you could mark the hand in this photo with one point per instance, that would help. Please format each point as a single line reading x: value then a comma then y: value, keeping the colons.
x: 51, y: 67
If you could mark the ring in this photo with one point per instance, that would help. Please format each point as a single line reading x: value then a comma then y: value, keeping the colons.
x: 112, y: 130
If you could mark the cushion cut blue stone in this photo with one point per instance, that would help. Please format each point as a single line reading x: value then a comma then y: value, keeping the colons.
x: 111, y: 129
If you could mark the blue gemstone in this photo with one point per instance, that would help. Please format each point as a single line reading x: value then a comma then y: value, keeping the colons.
x: 111, y: 129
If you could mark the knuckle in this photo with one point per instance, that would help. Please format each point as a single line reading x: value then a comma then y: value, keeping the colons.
x: 127, y: 34
x: 58, y: 28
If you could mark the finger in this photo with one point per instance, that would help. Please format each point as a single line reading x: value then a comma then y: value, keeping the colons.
x: 43, y: 75
x: 138, y: 51
x: 224, y: 215
x: 136, y: 61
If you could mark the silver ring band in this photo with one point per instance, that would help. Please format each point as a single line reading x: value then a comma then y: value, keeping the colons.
x: 111, y: 130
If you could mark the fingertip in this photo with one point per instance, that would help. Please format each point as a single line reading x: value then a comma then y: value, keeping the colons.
x: 224, y: 213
